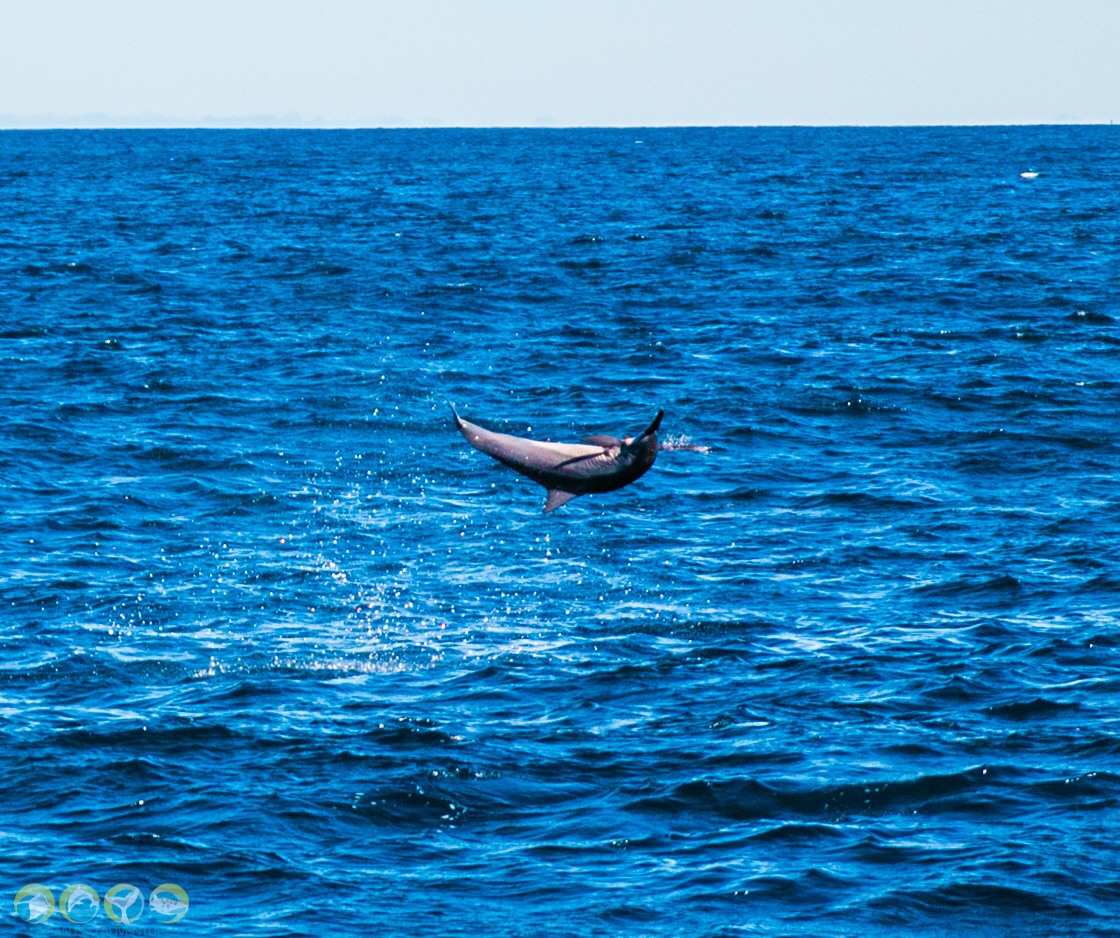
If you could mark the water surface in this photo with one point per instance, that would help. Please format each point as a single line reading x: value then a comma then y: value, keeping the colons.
x: 275, y: 633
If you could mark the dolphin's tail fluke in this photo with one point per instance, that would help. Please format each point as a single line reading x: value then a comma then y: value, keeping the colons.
x: 652, y: 428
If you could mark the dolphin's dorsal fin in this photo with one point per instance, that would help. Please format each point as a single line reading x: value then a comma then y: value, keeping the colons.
x: 556, y: 498
x: 602, y: 439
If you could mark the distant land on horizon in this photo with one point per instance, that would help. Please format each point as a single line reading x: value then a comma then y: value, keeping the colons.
x: 295, y: 122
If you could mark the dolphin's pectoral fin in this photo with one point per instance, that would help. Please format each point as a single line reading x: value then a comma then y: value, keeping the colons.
x: 602, y: 439
x: 576, y: 460
x: 556, y: 498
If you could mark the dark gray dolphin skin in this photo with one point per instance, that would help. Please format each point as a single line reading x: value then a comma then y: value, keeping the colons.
x: 599, y: 464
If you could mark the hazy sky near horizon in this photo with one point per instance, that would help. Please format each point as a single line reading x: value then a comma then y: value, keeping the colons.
x: 375, y: 63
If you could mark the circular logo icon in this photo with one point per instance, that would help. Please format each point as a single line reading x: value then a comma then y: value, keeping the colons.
x: 169, y: 903
x: 124, y: 903
x: 78, y: 903
x: 35, y: 903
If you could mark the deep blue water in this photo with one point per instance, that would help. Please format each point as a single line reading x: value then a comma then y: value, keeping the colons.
x: 273, y: 632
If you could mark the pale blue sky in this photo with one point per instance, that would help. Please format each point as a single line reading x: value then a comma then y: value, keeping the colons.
x: 346, y: 63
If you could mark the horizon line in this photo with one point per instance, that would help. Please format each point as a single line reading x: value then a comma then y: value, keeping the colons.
x: 235, y: 124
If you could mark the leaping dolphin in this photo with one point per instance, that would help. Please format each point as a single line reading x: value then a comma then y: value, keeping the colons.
x: 599, y: 464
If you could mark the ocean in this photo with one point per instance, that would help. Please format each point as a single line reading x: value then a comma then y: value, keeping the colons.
x: 282, y: 655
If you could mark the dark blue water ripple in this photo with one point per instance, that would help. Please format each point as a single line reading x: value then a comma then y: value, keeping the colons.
x: 273, y: 632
